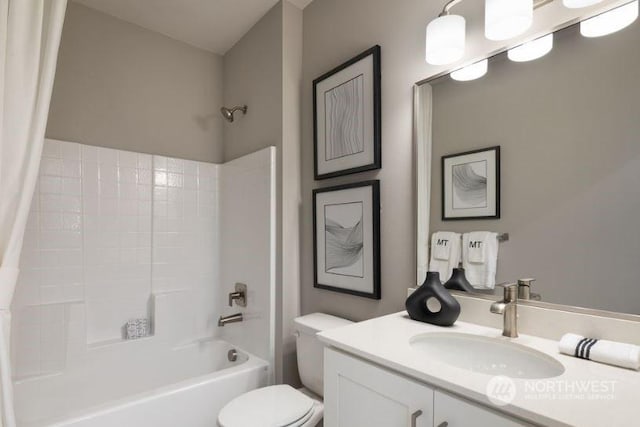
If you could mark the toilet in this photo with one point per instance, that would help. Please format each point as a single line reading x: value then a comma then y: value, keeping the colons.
x: 282, y: 405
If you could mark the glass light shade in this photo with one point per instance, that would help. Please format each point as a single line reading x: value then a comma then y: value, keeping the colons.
x: 532, y: 50
x: 445, y: 39
x: 577, y: 4
x: 471, y: 72
x: 611, y: 21
x: 505, y: 19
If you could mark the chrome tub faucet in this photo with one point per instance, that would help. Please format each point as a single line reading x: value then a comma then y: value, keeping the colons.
x: 234, y: 318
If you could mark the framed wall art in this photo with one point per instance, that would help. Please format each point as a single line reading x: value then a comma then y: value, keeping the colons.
x: 346, y: 236
x: 471, y: 185
x: 347, y: 117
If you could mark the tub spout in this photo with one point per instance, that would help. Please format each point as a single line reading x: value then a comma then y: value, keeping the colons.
x: 234, y: 318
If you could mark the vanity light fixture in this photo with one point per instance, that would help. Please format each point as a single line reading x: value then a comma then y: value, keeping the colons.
x: 611, y: 21
x: 471, y: 72
x: 446, y: 37
x: 505, y: 19
x: 577, y: 4
x: 531, y: 50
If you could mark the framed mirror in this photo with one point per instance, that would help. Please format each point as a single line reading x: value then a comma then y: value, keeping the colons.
x: 568, y: 128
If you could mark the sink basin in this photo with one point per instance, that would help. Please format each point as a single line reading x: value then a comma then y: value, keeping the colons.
x: 487, y: 355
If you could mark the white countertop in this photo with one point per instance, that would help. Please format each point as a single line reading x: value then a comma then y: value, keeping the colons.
x: 385, y: 341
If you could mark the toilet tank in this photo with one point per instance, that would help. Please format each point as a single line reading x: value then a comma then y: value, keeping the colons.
x: 310, y: 350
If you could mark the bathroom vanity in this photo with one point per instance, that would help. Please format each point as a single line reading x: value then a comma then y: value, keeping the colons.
x: 393, y: 371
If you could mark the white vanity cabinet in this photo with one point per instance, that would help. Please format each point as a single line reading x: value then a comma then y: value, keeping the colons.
x: 357, y: 394
x: 457, y: 412
x: 361, y: 394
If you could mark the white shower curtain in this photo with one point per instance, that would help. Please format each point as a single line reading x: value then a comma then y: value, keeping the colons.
x: 29, y: 39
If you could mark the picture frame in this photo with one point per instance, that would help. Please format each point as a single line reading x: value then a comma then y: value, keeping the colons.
x: 346, y: 239
x: 347, y: 117
x: 471, y: 185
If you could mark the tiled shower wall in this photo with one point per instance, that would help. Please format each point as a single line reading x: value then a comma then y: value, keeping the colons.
x: 108, y: 229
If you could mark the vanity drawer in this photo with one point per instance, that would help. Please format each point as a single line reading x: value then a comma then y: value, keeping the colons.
x: 456, y: 412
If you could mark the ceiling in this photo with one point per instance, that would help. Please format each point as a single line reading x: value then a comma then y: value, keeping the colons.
x: 213, y: 25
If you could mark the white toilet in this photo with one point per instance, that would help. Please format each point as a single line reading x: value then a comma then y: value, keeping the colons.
x: 282, y: 405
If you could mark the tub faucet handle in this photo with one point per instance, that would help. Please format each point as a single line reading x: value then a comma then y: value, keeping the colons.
x: 239, y: 296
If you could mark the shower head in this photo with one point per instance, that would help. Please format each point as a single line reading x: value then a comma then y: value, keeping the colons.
x: 227, y: 113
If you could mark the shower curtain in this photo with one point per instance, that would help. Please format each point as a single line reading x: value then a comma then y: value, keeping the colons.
x: 29, y: 39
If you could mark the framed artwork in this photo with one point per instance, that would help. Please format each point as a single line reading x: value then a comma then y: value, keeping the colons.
x: 471, y: 185
x: 346, y: 238
x: 347, y: 117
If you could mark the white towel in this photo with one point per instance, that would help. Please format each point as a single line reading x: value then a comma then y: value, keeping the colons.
x: 610, y: 352
x: 445, y: 253
x: 480, y: 258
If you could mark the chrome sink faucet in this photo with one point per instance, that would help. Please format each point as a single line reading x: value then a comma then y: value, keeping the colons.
x: 508, y: 307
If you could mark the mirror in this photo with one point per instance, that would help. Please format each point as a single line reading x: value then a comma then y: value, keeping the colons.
x: 568, y: 127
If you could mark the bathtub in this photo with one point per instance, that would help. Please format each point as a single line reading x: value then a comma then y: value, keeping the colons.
x: 184, y: 386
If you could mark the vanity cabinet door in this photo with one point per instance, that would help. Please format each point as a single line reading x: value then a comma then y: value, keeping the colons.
x: 358, y: 394
x: 460, y: 413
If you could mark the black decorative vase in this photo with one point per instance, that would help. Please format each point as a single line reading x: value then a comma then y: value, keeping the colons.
x: 417, y: 308
x: 459, y: 282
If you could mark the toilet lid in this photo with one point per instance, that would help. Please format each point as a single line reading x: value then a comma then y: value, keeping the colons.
x: 275, y: 406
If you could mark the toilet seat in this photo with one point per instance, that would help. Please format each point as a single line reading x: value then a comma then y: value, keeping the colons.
x: 274, y: 406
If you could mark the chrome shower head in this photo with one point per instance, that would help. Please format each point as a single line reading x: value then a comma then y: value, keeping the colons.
x: 227, y: 113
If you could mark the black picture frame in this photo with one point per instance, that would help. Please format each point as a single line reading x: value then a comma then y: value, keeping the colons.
x: 377, y: 116
x: 491, y: 151
x: 375, y: 240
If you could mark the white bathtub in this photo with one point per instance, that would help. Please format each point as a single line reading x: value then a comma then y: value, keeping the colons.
x: 185, y: 386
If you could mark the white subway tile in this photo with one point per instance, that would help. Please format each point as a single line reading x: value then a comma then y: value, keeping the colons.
x: 69, y: 151
x: 51, y: 167
x: 128, y: 240
x: 72, y: 186
x: 128, y: 224
x: 175, y: 165
x: 52, y: 294
x: 144, y: 176
x: 90, y: 205
x: 74, y: 292
x: 159, y: 163
x: 107, y: 156
x: 50, y: 185
x: 72, y: 168
x: 51, y: 221
x: 72, y: 222
x: 127, y: 159
x: 127, y: 175
x: 108, y: 172
x: 160, y: 178
x: 144, y: 192
x: 71, y: 203
x: 127, y: 207
x: 89, y: 153
x: 174, y: 180
x: 51, y: 149
x: 109, y: 208
x: 128, y: 191
x: 145, y: 161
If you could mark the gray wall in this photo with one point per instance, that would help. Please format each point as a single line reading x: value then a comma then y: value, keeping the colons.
x: 120, y: 86
x: 263, y: 70
x: 568, y: 129
x: 335, y: 31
